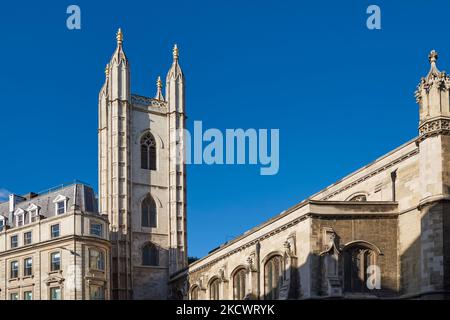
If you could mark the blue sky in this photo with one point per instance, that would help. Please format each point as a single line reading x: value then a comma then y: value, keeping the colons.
x: 341, y: 95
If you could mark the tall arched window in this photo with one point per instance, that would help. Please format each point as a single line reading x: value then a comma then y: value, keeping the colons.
x: 148, y: 152
x: 194, y: 293
x: 148, y: 209
x: 150, y: 255
x: 239, y: 284
x: 273, y: 273
x: 214, y: 290
x: 357, y: 259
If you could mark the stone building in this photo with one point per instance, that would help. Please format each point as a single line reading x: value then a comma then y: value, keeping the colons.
x: 382, y: 231
x: 54, y: 245
x: 142, y: 189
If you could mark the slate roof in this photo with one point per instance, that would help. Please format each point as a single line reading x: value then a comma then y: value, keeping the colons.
x: 79, y: 196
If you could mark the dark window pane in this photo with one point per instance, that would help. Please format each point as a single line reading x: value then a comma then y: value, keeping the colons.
x: 149, y: 212
x: 150, y: 255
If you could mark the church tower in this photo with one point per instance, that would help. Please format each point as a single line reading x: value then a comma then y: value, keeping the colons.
x: 434, y: 173
x: 142, y: 179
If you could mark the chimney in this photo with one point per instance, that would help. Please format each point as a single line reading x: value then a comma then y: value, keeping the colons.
x: 13, y: 200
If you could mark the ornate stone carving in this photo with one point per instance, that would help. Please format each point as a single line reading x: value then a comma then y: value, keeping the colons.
x: 148, y: 102
x: 221, y: 275
x: 331, y: 283
x: 251, y: 265
x: 432, y: 128
x: 434, y: 78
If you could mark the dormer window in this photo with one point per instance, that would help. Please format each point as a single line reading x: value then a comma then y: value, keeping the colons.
x: 20, y: 220
x: 33, y: 213
x: 60, y: 204
x: 2, y: 223
x: 61, y: 207
x: 19, y: 216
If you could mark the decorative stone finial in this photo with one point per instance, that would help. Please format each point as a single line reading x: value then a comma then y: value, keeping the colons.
x: 433, y: 56
x: 159, y: 85
x: 107, y: 70
x: 175, y: 52
x: 119, y: 36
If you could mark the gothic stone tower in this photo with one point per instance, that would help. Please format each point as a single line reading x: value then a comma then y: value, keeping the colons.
x: 434, y: 174
x: 142, y: 187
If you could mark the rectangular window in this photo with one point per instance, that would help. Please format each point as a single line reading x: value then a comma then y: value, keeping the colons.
x: 14, y: 241
x: 55, y: 260
x: 19, y: 218
x: 96, y: 292
x: 54, y: 230
x: 55, y: 293
x: 14, y: 296
x: 96, y: 229
x: 61, y: 207
x: 27, y: 295
x: 27, y: 267
x: 2, y: 224
x: 14, y: 269
x: 34, y: 215
x: 27, y: 238
x: 96, y: 259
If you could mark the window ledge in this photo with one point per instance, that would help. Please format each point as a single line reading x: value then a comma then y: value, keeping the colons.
x: 14, y: 279
x: 28, y: 277
x: 55, y: 272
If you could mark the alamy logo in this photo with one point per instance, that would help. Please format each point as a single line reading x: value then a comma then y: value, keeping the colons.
x: 373, y: 277
x: 73, y: 21
x: 234, y: 146
x: 374, y: 20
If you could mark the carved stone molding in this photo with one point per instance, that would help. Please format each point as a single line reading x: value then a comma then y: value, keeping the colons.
x: 144, y: 101
x: 434, y: 127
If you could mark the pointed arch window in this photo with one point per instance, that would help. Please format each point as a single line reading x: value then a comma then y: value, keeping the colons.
x: 357, y: 259
x: 148, y: 212
x: 148, y: 152
x: 150, y: 255
x: 194, y: 293
x: 273, y: 276
x: 239, y: 284
x: 214, y: 290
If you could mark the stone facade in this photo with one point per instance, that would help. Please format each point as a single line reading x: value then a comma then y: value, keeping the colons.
x: 141, y: 187
x: 54, y: 246
x: 382, y: 231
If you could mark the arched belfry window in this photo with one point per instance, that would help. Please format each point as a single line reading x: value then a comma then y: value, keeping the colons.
x: 148, y: 152
x: 150, y: 255
x: 148, y: 212
x: 273, y: 274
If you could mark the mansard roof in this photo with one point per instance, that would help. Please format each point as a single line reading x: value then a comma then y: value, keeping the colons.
x: 79, y: 196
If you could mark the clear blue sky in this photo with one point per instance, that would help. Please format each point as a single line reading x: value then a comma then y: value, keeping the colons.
x: 340, y: 94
